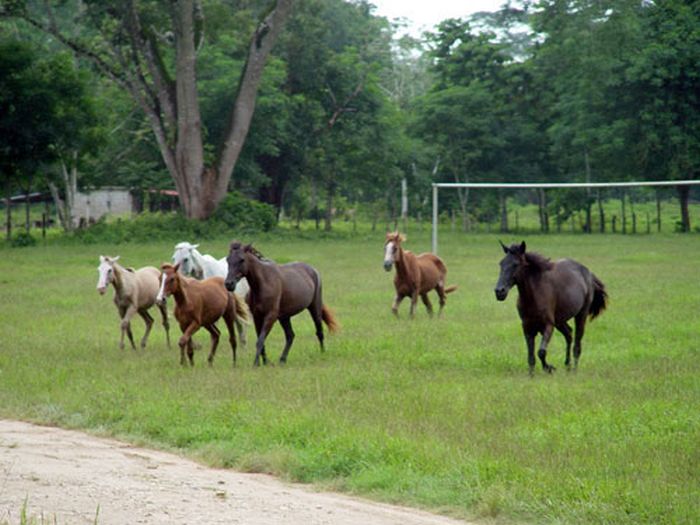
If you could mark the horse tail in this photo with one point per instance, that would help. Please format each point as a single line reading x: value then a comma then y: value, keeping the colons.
x: 450, y: 289
x: 329, y: 319
x: 240, y: 307
x: 600, y: 298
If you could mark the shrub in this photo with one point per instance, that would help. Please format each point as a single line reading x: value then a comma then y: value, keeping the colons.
x: 23, y: 239
x: 240, y: 213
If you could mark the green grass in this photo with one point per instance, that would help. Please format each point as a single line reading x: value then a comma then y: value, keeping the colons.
x: 439, y: 414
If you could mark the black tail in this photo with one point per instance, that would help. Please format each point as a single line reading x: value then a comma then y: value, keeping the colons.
x: 600, y: 298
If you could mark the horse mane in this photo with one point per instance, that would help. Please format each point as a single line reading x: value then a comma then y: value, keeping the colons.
x: 395, y: 236
x: 248, y: 248
x: 537, y: 263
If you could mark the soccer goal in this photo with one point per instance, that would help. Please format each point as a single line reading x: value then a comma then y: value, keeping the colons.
x: 541, y: 186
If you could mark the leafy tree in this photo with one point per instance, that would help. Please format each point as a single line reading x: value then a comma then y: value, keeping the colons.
x: 150, y: 49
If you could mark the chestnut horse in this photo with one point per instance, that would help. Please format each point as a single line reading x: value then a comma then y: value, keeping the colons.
x: 201, y: 304
x: 549, y: 294
x: 415, y: 275
x: 277, y: 292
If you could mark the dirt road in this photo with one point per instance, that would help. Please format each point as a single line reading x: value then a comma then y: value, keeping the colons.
x: 68, y: 477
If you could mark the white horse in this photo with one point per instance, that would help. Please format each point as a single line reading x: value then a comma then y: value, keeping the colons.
x: 202, y: 266
x: 135, y: 291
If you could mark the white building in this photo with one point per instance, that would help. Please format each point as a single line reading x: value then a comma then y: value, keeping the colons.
x: 89, y: 207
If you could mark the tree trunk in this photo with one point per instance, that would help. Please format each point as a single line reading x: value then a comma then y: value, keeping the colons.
x: 601, y: 212
x: 60, y: 206
x: 330, y: 193
x: 683, y: 196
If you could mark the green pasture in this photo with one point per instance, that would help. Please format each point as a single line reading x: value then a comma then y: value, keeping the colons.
x: 435, y: 413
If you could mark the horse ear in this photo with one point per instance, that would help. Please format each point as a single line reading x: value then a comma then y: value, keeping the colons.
x: 115, y: 259
x: 102, y: 258
x: 176, y: 267
x: 522, y: 247
x: 248, y: 247
x: 401, y: 237
x: 505, y: 248
x: 195, y: 246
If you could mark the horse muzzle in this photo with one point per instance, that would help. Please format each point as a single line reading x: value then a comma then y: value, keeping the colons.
x: 102, y: 290
x: 387, y: 265
x: 230, y: 284
x: 501, y: 293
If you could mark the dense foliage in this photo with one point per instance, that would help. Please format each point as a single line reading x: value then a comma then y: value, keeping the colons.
x: 347, y: 107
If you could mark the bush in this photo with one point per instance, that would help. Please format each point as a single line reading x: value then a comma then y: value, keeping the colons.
x: 235, y: 214
x: 22, y: 239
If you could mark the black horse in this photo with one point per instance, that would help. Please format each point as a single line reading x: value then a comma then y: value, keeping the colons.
x: 549, y: 294
x: 277, y: 292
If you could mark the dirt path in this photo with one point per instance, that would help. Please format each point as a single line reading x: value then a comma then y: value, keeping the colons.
x: 66, y: 475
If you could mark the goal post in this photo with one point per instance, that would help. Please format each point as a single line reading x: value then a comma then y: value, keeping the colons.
x: 540, y: 185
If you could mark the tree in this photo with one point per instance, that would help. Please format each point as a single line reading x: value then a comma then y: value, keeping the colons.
x: 150, y: 49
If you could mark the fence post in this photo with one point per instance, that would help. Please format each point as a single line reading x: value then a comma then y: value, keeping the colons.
x: 435, y: 219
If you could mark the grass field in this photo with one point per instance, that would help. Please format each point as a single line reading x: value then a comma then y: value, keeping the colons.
x: 437, y: 413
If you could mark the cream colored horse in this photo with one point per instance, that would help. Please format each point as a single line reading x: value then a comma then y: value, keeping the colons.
x: 135, y: 291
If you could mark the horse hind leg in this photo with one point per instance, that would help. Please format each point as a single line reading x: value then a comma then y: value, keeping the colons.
x: 578, y: 336
x: 148, y: 319
x: 286, y: 323
x: 215, y: 335
x: 317, y: 317
x: 565, y: 330
x: 166, y: 325
x: 428, y: 305
x: 440, y: 289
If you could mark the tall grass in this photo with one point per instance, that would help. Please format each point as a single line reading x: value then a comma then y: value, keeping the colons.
x: 435, y: 413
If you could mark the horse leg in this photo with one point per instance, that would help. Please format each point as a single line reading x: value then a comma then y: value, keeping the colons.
x: 122, y: 313
x: 440, y: 289
x: 395, y: 305
x: 263, y: 325
x: 565, y: 330
x: 230, y: 320
x: 542, y: 352
x: 164, y: 314
x: 317, y: 317
x: 186, y: 342
x: 148, y: 319
x: 241, y: 332
x: 414, y: 301
x: 580, y: 329
x: 286, y: 323
x: 427, y: 303
x: 126, y: 325
x: 530, y: 341
x: 215, y: 335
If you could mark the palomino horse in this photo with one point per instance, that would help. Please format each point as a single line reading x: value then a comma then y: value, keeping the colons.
x: 201, y: 304
x: 202, y: 266
x: 278, y: 292
x: 415, y: 275
x: 549, y: 294
x: 134, y: 291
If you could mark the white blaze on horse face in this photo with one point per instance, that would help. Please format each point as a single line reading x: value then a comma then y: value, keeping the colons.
x: 104, y: 271
x: 160, y: 298
x: 389, y: 255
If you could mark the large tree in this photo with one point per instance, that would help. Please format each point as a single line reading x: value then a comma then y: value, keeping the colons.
x: 150, y: 49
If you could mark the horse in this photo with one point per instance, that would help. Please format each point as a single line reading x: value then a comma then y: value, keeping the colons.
x: 134, y: 291
x: 200, y: 304
x: 202, y: 266
x: 278, y: 292
x: 415, y: 275
x: 549, y: 294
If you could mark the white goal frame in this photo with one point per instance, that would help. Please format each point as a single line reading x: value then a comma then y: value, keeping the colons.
x: 539, y: 185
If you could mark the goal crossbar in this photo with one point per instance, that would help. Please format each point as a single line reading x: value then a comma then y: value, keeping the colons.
x: 541, y: 185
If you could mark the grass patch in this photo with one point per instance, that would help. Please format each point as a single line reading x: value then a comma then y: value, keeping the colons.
x: 435, y: 413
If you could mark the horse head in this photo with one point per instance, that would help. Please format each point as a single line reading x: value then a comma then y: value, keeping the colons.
x: 510, y: 265
x: 169, y: 281
x: 185, y: 256
x: 391, y: 248
x: 237, y: 265
x: 105, y: 272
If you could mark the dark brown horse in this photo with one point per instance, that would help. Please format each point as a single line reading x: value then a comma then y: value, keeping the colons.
x: 549, y: 294
x: 277, y: 292
x: 415, y: 275
x: 201, y: 304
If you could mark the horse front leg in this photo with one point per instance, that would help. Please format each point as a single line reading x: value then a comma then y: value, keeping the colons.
x: 263, y: 325
x: 414, y: 302
x: 125, y: 324
x: 542, y: 352
x: 395, y: 305
x: 185, y: 342
x: 530, y: 342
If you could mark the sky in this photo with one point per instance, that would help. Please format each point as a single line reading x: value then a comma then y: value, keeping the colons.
x: 425, y: 14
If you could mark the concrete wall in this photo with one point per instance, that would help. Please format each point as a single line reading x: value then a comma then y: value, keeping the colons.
x: 89, y: 207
